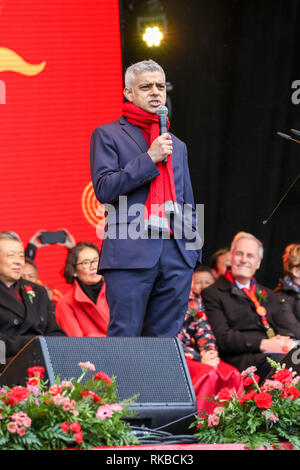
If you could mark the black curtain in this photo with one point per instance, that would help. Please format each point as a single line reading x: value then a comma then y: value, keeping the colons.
x: 232, y: 64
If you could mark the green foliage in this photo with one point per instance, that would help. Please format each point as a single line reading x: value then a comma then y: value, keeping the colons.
x: 262, y: 416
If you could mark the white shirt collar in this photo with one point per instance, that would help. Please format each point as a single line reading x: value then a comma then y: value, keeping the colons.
x: 243, y: 286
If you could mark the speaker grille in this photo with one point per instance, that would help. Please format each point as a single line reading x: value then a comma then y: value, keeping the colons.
x: 152, y: 367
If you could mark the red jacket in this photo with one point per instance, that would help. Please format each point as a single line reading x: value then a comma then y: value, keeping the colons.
x: 77, y: 315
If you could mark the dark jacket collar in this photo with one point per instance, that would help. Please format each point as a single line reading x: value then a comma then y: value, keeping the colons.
x: 10, y: 302
x: 134, y: 133
x: 224, y: 285
x: 283, y: 286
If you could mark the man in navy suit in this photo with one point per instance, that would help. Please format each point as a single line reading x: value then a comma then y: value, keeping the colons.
x: 151, y: 243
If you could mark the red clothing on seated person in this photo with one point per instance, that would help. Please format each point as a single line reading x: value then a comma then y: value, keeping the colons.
x: 208, y: 381
x: 77, y: 314
x: 196, y: 336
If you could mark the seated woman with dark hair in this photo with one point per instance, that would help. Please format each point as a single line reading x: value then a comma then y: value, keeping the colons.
x: 83, y: 311
x: 209, y: 374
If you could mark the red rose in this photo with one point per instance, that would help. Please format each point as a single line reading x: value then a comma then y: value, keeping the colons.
x: 249, y: 380
x: 200, y: 314
x: 75, y: 427
x: 263, y: 400
x: 54, y: 390
x: 65, y: 427
x: 78, y: 437
x: 34, y: 382
x: 89, y: 393
x: 247, y: 396
x: 36, y: 371
x: 102, y: 376
x: 290, y: 392
x: 28, y: 288
x: 17, y: 394
x: 284, y: 376
x: 225, y: 394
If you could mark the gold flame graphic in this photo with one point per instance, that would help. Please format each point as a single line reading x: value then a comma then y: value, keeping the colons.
x: 93, y: 210
x: 10, y: 61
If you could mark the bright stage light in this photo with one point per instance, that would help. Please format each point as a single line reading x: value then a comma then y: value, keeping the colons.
x: 153, y: 36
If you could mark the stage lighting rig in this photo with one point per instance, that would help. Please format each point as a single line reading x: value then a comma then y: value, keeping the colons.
x: 152, y: 25
x: 153, y: 36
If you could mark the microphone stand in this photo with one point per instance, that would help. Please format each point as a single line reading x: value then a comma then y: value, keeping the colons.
x: 288, y: 137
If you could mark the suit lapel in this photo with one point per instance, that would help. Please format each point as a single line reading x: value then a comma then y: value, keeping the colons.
x: 233, y: 288
x: 134, y: 133
x: 10, y: 302
x: 239, y: 292
x: 29, y: 307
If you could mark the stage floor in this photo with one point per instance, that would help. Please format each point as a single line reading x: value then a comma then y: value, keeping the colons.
x: 190, y: 447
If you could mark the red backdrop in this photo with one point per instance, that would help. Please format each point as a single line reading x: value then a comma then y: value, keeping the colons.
x: 60, y: 77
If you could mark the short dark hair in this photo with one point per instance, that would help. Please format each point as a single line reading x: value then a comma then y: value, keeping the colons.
x: 202, y: 269
x: 215, y: 256
x: 31, y: 262
x: 72, y: 259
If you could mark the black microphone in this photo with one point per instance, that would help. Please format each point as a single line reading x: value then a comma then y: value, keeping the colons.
x: 288, y: 137
x: 162, y: 112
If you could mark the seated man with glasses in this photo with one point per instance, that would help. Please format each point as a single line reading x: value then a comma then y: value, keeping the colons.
x: 83, y: 311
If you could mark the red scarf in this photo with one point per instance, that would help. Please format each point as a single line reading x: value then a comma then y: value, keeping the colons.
x: 260, y: 310
x: 161, y: 198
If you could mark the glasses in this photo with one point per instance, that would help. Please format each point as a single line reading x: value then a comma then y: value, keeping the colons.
x: 88, y: 263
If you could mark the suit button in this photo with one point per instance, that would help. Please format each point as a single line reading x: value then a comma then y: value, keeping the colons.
x: 16, y: 322
x: 146, y: 179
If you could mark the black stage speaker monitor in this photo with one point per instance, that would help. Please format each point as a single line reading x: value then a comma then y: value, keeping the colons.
x: 155, y: 368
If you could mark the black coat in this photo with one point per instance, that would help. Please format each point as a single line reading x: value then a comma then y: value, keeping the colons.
x: 238, y: 328
x: 20, y: 322
x: 291, y: 296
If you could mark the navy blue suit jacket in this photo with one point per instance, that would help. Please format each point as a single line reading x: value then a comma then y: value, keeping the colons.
x: 121, y: 166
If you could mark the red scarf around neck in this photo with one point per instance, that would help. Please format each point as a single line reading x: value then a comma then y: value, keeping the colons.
x: 161, y: 198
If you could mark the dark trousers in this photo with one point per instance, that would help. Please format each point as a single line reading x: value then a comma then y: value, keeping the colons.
x: 149, y: 302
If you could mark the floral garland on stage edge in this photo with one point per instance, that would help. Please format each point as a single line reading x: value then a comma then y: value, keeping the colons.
x: 65, y: 415
x: 261, y: 416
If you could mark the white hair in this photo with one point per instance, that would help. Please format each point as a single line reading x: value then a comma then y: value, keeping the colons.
x: 9, y: 235
x: 139, y: 67
x: 240, y: 235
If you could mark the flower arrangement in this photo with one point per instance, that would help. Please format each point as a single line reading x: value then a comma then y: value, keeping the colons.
x: 65, y: 415
x: 261, y: 416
